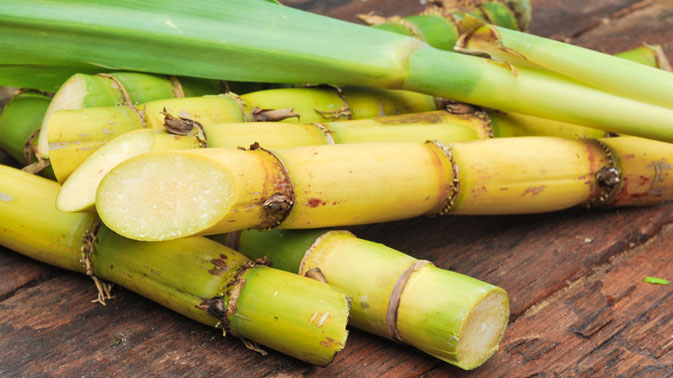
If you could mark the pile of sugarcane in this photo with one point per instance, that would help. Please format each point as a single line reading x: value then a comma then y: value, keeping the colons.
x: 360, y: 125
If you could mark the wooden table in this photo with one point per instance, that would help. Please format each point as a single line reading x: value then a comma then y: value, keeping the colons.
x: 579, y: 306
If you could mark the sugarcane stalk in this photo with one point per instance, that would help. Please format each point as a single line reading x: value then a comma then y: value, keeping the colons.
x: 79, y: 190
x: 20, y: 121
x: 118, y: 88
x: 211, y: 191
x: 438, y: 25
x: 300, y: 47
x: 453, y: 317
x: 73, y: 135
x: 325, y: 104
x: 649, y: 55
x: 617, y: 76
x: 196, y: 277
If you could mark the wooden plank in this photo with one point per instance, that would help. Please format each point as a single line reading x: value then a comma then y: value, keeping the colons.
x: 652, y: 24
x: 565, y: 19
x: 53, y: 328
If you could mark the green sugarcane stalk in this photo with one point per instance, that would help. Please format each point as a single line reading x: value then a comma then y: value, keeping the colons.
x: 326, y: 101
x: 20, y: 122
x: 453, y: 317
x: 617, y: 76
x: 308, y: 48
x: 438, y: 26
x: 649, y: 55
x: 196, y: 277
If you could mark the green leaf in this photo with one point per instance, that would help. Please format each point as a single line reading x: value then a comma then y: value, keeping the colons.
x: 656, y: 281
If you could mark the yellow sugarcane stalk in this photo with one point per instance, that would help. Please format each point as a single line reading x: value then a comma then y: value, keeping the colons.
x: 165, y: 195
x: 75, y: 134
x: 196, y: 277
x: 79, y: 190
x: 325, y: 104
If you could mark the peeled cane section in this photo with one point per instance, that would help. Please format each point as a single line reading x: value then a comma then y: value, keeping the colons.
x: 448, y: 315
x: 526, y: 175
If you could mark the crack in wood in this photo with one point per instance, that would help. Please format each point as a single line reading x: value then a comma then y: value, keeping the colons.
x: 621, y: 13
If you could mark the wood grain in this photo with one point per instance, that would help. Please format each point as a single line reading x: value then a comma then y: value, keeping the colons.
x: 579, y: 305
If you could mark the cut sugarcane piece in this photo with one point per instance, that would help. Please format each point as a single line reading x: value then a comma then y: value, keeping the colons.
x: 326, y: 104
x: 19, y: 121
x: 446, y: 314
x: 618, y: 76
x: 80, y: 91
x: 173, y: 194
x: 75, y: 134
x: 219, y: 190
x: 72, y: 137
x: 79, y: 190
x: 196, y: 277
x: 305, y: 48
x: 118, y: 88
x: 650, y: 55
